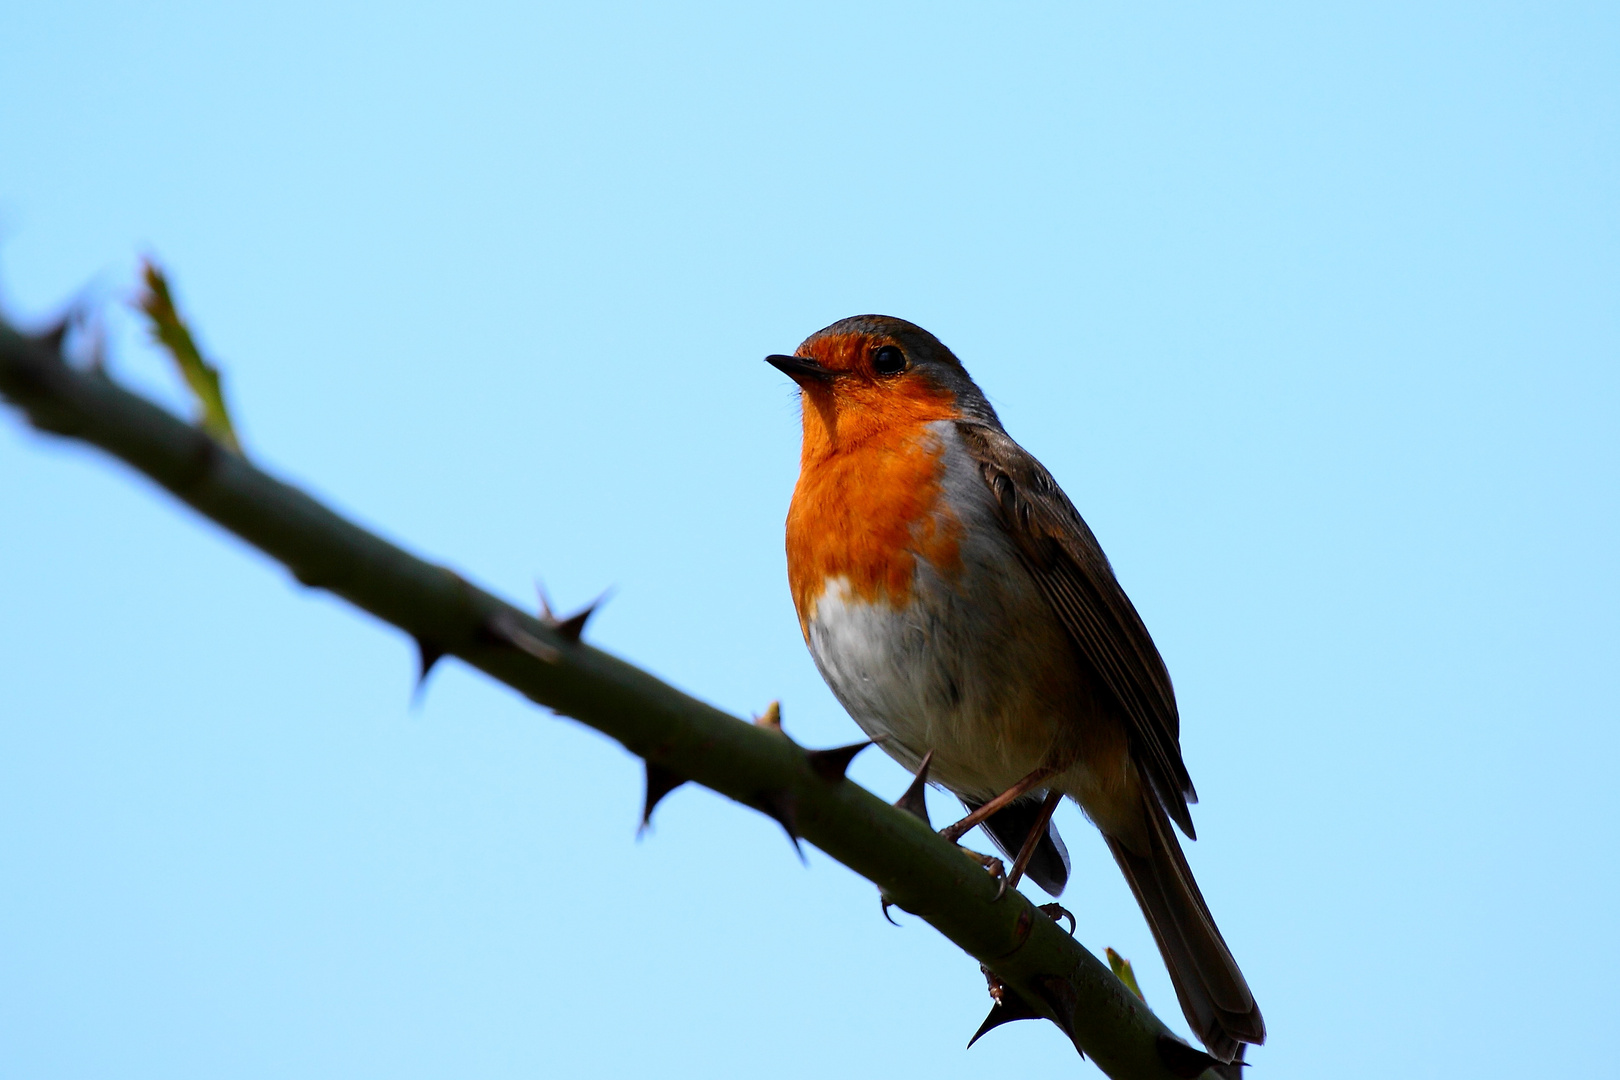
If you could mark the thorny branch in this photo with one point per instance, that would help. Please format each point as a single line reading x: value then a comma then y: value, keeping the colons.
x: 1035, y: 968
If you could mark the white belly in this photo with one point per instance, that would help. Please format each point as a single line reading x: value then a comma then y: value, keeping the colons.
x: 974, y: 669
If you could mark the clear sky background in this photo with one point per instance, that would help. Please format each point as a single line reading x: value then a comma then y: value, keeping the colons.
x: 1311, y: 308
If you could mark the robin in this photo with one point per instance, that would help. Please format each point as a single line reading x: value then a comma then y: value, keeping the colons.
x: 960, y: 609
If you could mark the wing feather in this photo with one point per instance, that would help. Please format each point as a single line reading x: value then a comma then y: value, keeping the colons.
x: 1059, y: 550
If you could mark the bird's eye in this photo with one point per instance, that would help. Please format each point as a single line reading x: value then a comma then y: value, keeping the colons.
x: 889, y: 360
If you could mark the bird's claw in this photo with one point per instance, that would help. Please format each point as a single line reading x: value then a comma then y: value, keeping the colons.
x: 1058, y: 911
x: 993, y: 866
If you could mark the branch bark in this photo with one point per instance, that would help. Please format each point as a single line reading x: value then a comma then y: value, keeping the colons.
x: 1045, y: 970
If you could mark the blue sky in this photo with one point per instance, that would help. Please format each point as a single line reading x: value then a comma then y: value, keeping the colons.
x: 1310, y: 309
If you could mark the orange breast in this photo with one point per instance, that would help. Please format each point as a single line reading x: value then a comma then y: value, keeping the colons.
x: 869, y: 503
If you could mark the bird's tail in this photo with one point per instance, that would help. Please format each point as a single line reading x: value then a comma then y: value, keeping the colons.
x: 1211, y: 989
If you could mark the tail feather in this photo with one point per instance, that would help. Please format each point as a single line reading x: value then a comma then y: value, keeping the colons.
x: 1213, y: 994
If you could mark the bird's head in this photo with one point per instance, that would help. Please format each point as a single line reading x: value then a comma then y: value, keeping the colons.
x: 871, y: 373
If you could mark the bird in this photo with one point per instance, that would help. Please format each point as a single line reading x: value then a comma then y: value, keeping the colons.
x: 963, y: 613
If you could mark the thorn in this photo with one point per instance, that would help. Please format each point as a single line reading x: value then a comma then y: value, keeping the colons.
x: 97, y: 347
x: 1059, y: 995
x: 503, y: 628
x: 660, y: 782
x: 914, y: 801
x: 771, y: 718
x: 56, y: 333
x: 831, y: 765
x: 574, y: 625
x: 1189, y: 1062
x: 783, y: 805
x: 887, y: 904
x: 1008, y: 1005
x: 1058, y: 911
x: 427, y: 654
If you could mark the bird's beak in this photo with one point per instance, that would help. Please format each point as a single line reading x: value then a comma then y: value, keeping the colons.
x: 798, y: 368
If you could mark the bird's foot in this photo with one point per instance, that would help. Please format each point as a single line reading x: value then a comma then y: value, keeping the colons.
x: 1058, y: 911
x: 992, y: 865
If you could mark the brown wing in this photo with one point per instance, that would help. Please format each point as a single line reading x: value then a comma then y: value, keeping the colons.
x: 1069, y: 566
